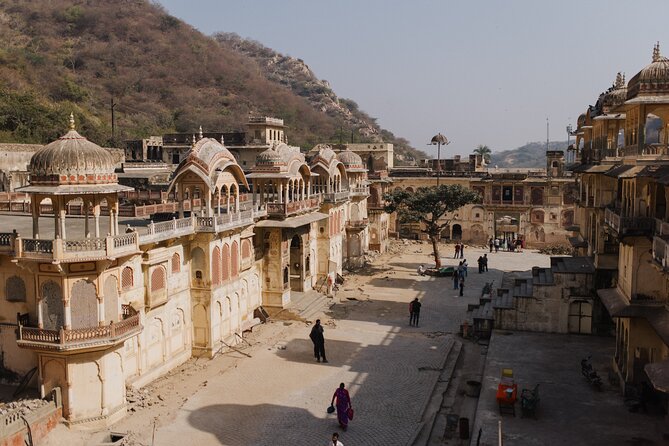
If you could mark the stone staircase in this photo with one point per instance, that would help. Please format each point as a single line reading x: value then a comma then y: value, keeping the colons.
x: 306, y: 306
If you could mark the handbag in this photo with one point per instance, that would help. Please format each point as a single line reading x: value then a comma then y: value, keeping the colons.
x: 350, y: 413
x: 331, y: 408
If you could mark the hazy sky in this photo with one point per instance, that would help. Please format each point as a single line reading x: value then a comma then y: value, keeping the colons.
x: 480, y: 72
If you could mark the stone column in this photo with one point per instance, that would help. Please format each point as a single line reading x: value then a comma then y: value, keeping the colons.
x: 35, y: 211
x: 96, y: 219
x: 62, y: 223
x: 281, y: 193
x: 180, y: 199
x: 87, y: 211
x: 67, y: 315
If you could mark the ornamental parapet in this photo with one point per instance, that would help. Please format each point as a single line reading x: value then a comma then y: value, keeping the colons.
x: 80, y: 338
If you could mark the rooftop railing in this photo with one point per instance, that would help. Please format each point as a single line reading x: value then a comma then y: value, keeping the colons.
x: 661, y: 251
x: 334, y: 197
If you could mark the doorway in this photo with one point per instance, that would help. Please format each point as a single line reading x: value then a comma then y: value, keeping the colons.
x: 296, y: 264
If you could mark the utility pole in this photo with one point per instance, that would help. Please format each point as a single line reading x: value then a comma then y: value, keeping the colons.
x: 113, y: 121
x: 547, y: 137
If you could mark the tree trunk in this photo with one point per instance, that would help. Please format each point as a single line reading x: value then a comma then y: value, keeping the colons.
x: 435, y: 249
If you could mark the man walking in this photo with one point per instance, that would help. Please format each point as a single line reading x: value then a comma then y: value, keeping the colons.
x: 490, y: 244
x: 457, y: 251
x: 462, y: 250
x: 318, y: 339
x: 462, y: 286
x: 414, y: 312
x: 496, y: 242
x: 480, y: 262
x: 485, y: 262
x: 456, y: 277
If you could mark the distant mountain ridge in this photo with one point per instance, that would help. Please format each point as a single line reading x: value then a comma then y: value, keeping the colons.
x: 532, y: 154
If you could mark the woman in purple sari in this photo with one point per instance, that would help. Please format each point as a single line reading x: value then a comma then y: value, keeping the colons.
x: 343, y: 405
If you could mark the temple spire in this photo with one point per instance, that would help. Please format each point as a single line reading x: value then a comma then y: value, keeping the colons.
x: 72, y: 126
x: 200, y: 135
x: 656, y: 52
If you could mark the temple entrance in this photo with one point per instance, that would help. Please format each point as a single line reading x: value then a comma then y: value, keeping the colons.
x: 580, y: 317
x: 507, y: 226
x: 457, y: 232
x: 296, y: 265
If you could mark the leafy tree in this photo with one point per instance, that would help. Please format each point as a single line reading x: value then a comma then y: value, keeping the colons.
x: 484, y: 151
x: 429, y: 206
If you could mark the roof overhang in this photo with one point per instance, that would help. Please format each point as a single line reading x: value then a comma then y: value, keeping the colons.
x: 292, y: 222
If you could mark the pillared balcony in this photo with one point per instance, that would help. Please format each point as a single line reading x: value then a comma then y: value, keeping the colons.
x: 287, y: 209
x: 628, y: 226
x: 88, y: 338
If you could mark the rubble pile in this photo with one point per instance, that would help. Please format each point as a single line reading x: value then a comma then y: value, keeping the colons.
x: 141, y: 398
x: 556, y: 250
x: 24, y: 407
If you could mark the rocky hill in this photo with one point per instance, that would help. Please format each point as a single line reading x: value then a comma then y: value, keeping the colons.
x: 532, y: 154
x: 163, y: 75
x: 296, y: 75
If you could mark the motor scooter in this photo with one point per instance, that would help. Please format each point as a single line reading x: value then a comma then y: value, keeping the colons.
x: 590, y: 374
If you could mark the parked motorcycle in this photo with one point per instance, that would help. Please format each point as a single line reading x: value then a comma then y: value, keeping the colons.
x: 590, y: 374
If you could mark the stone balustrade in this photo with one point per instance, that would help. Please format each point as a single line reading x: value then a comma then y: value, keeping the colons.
x: 359, y: 191
x: 625, y: 226
x: 124, y: 244
x: 336, y: 196
x: 79, y: 338
x: 294, y: 207
x: 358, y: 224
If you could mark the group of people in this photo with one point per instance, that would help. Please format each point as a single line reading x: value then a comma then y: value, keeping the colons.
x: 459, y: 276
x: 483, y: 263
x: 507, y: 244
x: 459, y: 251
x: 341, y: 396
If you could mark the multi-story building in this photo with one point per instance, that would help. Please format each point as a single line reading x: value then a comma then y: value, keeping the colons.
x: 97, y: 308
x: 533, y: 205
x: 623, y: 219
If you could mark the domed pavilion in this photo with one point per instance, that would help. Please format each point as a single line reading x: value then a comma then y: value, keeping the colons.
x: 73, y: 172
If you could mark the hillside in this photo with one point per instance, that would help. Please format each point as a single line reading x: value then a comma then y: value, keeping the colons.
x: 296, y: 75
x: 163, y: 75
x: 532, y: 154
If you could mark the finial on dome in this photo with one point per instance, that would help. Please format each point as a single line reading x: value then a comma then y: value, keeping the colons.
x: 194, y: 140
x: 619, y: 80
x: 222, y: 139
x: 656, y: 52
x: 200, y: 135
x: 72, y: 126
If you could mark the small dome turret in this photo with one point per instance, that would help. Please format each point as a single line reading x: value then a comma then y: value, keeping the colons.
x: 71, y: 159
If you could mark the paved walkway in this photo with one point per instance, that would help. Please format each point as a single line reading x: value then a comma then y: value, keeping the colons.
x: 280, y: 395
x: 571, y: 412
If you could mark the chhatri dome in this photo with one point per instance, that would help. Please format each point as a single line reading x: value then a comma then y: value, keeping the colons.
x: 71, y: 160
x: 653, y: 79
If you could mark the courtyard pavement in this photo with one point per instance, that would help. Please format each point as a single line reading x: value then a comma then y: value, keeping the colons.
x: 280, y: 395
x: 570, y: 412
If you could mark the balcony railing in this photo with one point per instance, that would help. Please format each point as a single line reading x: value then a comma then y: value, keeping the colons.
x: 293, y: 207
x: 359, y: 191
x: 661, y: 227
x: 336, y: 196
x: 661, y: 251
x: 358, y: 224
x: 79, y: 338
x: 625, y: 226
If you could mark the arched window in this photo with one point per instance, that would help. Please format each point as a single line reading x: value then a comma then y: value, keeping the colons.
x: 127, y: 278
x: 226, y: 262
x: 216, y: 266
x: 246, y: 249
x: 176, y: 263
x: 158, y: 279
x: 235, y: 259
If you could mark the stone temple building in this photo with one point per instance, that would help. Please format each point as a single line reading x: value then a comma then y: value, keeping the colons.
x: 97, y: 301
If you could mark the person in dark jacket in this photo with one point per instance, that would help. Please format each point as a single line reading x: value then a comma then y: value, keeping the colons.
x: 318, y: 339
x: 414, y: 312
